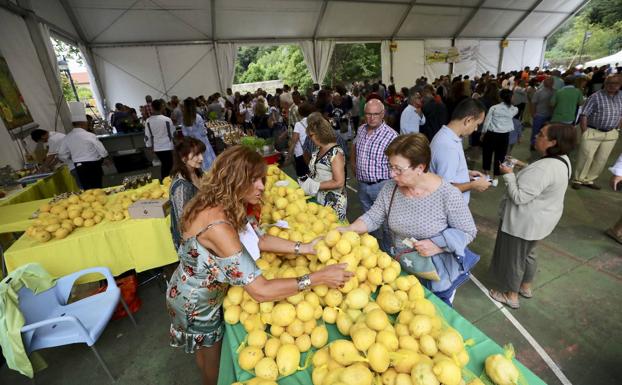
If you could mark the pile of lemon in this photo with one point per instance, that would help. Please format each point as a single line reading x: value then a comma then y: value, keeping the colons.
x: 398, y: 338
x: 59, y: 219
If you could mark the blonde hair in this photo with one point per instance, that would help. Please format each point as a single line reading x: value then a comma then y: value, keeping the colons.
x: 316, y: 124
x: 225, y: 185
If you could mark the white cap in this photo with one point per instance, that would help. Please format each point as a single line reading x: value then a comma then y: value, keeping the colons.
x: 78, y: 112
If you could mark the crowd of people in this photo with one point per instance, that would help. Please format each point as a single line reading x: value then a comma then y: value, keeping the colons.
x: 405, y: 151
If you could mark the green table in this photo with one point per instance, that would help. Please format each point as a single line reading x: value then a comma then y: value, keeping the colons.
x: 59, y: 182
x: 231, y: 372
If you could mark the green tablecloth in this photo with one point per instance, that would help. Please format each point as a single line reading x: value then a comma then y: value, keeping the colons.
x: 231, y: 372
x: 59, y: 182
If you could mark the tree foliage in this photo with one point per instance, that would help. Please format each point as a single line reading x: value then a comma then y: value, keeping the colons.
x: 603, y: 20
x: 67, y: 51
x: 350, y: 62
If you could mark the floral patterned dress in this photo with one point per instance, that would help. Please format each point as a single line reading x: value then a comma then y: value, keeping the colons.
x: 320, y: 169
x: 197, y: 289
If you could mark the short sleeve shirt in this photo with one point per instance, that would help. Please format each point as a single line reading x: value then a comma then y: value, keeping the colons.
x: 372, y: 165
x: 448, y: 160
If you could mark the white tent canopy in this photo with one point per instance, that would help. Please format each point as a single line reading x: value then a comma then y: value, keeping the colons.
x: 612, y: 60
x: 187, y: 47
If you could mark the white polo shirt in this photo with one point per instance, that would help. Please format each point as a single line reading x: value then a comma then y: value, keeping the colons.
x: 159, y: 131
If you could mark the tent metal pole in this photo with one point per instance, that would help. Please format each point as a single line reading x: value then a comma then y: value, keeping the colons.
x: 41, y: 48
x: 500, y: 65
x: 469, y: 18
x: 403, y: 18
x: 570, y: 16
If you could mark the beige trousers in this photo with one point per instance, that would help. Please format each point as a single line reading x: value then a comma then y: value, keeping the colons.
x: 593, y: 153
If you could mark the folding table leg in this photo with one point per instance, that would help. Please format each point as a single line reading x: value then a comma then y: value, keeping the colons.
x: 127, y: 310
x: 102, y: 363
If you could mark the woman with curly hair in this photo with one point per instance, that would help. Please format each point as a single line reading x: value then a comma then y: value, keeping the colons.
x: 212, y: 257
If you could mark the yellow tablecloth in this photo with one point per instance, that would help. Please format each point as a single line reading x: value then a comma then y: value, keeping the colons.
x: 16, y: 217
x: 139, y: 244
x: 59, y: 182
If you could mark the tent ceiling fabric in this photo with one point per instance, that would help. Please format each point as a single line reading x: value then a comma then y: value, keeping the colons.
x: 158, y: 21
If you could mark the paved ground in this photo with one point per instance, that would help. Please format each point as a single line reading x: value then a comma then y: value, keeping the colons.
x: 574, y: 315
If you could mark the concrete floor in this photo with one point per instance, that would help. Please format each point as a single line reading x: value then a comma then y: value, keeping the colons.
x: 574, y: 315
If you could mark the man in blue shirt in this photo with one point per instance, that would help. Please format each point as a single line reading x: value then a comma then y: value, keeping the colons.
x: 412, y: 116
x: 448, y: 159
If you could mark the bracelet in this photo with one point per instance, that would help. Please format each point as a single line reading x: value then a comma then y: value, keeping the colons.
x: 297, y: 248
x: 303, y: 282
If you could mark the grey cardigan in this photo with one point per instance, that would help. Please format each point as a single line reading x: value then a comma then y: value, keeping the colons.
x: 534, y: 201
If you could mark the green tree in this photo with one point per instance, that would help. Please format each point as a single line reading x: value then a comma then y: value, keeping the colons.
x: 350, y: 62
x: 354, y: 62
x: 603, y: 20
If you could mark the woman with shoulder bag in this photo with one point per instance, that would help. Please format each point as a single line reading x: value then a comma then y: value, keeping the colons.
x: 327, y: 168
x: 530, y: 210
x: 427, y: 217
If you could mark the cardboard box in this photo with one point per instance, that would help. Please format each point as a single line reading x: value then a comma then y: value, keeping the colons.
x: 149, y: 208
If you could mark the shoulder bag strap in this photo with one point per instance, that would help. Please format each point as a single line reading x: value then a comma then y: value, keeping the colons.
x: 168, y: 130
x: 151, y: 134
x: 386, y: 220
x: 561, y: 160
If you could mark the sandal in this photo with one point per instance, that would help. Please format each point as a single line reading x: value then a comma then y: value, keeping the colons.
x: 525, y: 293
x: 502, y: 298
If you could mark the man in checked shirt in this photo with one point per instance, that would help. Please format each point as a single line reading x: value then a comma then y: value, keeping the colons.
x: 368, y: 161
x: 600, y: 121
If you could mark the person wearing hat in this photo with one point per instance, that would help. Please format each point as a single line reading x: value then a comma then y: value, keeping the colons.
x: 83, y: 149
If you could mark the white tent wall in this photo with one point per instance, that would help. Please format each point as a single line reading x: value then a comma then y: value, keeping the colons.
x: 522, y: 53
x: 21, y: 57
x: 408, y: 62
x: 130, y: 73
x: 485, y: 59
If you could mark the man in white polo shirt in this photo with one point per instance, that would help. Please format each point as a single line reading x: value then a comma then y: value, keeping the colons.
x: 83, y: 149
x: 159, y: 132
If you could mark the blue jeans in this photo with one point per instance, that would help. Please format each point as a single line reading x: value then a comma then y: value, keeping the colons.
x: 367, y: 196
x: 538, y: 122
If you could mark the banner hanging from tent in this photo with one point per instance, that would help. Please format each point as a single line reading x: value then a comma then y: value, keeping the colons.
x: 449, y: 54
x: 13, y: 109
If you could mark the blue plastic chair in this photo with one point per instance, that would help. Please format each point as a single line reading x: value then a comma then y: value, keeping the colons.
x: 50, y: 321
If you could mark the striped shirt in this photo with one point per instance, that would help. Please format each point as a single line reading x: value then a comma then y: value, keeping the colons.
x: 603, y: 111
x: 372, y: 165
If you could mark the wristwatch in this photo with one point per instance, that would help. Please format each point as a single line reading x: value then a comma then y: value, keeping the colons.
x: 297, y: 248
x: 304, y: 282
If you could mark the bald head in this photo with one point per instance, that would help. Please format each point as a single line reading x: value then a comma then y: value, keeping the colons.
x: 374, y: 113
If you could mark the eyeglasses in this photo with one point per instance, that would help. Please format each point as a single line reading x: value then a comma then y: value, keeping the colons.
x: 397, y: 170
x: 374, y: 114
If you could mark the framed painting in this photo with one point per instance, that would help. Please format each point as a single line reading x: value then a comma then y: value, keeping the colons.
x: 13, y: 109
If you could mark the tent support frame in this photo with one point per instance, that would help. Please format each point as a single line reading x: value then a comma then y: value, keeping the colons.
x: 40, y: 45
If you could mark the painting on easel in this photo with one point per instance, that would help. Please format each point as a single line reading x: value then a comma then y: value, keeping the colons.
x: 13, y: 109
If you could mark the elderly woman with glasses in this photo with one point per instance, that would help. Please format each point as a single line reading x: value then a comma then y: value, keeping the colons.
x: 423, y: 210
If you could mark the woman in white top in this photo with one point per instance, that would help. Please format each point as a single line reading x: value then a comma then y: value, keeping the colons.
x: 496, y: 131
x: 327, y: 172
x: 299, y: 135
x: 530, y: 210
